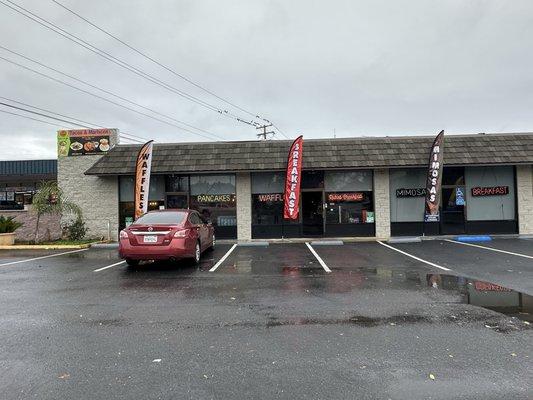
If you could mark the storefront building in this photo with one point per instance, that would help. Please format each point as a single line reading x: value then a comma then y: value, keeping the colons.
x: 20, y: 179
x: 355, y: 187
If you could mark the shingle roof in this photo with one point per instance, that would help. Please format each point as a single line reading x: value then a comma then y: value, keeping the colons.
x: 359, y: 152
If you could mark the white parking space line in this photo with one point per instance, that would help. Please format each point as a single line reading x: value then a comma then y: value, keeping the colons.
x: 490, y: 248
x: 326, y: 268
x: 42, y: 257
x: 214, y: 268
x: 414, y: 257
x: 109, y: 266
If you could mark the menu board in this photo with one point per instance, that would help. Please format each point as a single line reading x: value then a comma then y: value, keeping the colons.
x: 83, y: 142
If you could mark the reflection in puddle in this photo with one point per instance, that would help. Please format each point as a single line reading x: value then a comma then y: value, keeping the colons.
x: 487, y: 295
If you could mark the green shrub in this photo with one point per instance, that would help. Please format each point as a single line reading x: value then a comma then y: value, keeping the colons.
x: 8, y: 224
x: 76, y: 230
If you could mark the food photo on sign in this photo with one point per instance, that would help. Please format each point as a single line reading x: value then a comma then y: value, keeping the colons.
x: 83, y: 142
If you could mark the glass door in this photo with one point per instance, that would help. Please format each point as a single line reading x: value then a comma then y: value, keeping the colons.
x: 453, y: 210
x: 312, y: 213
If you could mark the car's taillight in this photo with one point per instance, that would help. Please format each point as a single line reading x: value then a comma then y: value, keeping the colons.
x: 124, y: 235
x: 181, y: 233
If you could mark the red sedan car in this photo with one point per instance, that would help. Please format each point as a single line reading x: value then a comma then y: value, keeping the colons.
x: 166, y: 235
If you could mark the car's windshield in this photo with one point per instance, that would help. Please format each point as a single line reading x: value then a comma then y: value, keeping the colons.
x: 167, y: 217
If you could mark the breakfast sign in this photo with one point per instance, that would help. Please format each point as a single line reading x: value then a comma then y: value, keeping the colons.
x: 81, y: 142
x: 291, y: 196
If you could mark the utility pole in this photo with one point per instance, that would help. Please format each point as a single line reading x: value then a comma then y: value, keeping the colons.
x: 263, y: 135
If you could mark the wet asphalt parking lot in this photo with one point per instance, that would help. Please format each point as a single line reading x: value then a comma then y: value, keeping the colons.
x: 430, y: 320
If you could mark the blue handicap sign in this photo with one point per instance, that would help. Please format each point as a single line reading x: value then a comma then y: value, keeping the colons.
x: 459, y: 197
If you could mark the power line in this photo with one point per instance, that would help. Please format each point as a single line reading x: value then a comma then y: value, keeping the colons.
x: 59, y: 119
x: 34, y: 119
x: 42, y: 115
x: 105, y: 99
x: 280, y: 131
x: 105, y: 91
x: 75, y: 39
x: 86, y: 124
x: 155, y: 61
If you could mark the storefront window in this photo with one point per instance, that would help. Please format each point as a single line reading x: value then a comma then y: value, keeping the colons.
x: 126, y: 211
x: 177, y: 183
x: 268, y: 182
x: 407, y: 194
x: 126, y: 193
x: 267, y: 209
x: 485, y: 204
x: 350, y: 208
x: 127, y: 188
x: 218, y: 208
x: 213, y: 196
x: 344, y: 181
x: 267, y: 199
x: 212, y: 184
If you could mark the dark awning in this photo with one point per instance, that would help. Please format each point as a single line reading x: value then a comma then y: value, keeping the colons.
x: 361, y: 152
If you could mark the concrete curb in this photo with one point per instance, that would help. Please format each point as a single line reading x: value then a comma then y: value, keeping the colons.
x: 104, y: 246
x: 253, y: 244
x: 46, y: 246
x: 405, y: 239
x: 327, y: 243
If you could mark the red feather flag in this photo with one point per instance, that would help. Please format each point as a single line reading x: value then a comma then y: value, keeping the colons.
x: 292, y: 180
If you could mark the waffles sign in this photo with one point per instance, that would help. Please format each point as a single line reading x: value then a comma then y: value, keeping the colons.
x: 143, y: 168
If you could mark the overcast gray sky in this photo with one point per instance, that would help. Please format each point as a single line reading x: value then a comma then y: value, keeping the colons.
x: 359, y: 67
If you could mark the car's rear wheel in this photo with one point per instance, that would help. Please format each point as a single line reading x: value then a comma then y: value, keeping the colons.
x: 132, y: 263
x: 197, y: 253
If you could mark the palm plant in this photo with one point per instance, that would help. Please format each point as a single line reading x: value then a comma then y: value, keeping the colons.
x: 50, y: 199
x: 8, y: 224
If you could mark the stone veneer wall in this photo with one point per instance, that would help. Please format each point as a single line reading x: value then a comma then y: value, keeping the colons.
x: 524, y: 191
x: 243, y: 185
x: 382, y: 203
x: 49, y: 225
x: 97, y: 196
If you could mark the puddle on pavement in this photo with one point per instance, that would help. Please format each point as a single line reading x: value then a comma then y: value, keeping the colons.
x: 487, y: 295
x: 478, y: 293
x: 310, y: 278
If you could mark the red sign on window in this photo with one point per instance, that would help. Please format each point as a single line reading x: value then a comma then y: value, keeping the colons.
x: 490, y: 191
x: 345, y: 196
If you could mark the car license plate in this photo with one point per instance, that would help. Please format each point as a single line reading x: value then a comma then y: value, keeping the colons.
x: 150, y: 239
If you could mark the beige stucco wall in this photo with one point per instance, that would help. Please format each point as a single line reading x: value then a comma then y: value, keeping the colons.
x: 243, y: 188
x: 524, y: 192
x: 97, y: 197
x: 382, y: 203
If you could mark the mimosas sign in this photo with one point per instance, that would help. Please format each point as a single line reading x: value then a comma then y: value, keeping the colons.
x: 293, y: 177
x: 434, y: 179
